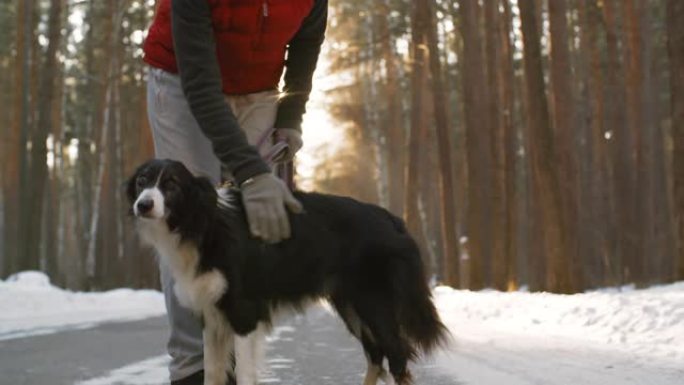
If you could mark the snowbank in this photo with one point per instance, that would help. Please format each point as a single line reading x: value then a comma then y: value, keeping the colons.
x: 32, y: 306
x: 599, y: 331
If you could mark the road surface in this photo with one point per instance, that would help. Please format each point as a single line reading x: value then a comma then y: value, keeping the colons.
x: 305, y: 350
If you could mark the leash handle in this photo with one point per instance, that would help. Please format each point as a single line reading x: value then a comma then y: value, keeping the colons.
x: 284, y: 170
x: 276, y: 150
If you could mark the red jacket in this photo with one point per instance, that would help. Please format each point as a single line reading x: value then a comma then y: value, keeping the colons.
x: 251, y: 40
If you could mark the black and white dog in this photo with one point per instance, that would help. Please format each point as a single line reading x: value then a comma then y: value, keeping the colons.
x: 357, y: 256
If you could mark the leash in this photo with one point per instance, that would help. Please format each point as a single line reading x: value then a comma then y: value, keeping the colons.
x: 276, y: 151
x: 284, y: 170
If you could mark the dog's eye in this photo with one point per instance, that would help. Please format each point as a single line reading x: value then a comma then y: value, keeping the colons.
x: 141, y: 181
x: 170, y: 184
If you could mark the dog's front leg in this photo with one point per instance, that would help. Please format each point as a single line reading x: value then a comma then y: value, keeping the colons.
x: 249, y: 355
x: 218, y: 348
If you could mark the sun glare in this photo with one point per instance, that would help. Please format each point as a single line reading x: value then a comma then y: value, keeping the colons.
x: 322, y: 137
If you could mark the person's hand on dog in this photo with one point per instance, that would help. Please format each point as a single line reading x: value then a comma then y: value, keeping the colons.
x: 265, y: 198
x: 293, y: 138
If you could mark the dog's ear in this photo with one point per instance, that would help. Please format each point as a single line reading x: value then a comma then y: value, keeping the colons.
x: 204, y: 191
x: 197, y: 214
x: 131, y: 190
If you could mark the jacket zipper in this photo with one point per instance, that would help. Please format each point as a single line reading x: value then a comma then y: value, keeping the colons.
x: 262, y: 20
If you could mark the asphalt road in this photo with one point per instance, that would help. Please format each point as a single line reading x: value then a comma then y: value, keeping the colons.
x: 69, y: 356
x: 317, y: 350
x: 307, y: 350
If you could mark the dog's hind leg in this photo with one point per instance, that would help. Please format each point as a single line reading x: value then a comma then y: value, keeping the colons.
x: 375, y: 357
x: 218, y: 349
x: 373, y: 374
x: 379, y: 317
x: 398, y: 351
x: 355, y: 326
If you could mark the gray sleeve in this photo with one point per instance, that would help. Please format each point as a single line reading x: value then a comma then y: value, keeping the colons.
x: 302, y: 58
x: 200, y: 75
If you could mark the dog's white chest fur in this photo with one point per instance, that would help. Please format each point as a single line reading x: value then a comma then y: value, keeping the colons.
x: 197, y: 292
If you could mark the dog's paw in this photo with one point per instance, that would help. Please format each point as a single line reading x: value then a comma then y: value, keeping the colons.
x: 245, y: 365
x: 387, y: 378
x: 218, y: 379
x: 232, y: 381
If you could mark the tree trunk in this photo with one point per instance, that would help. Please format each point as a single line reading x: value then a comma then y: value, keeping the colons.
x: 499, y: 265
x: 620, y: 147
x: 510, y: 150
x: 22, y: 261
x: 32, y: 215
x: 664, y: 222
x: 642, y: 214
x: 478, y: 146
x: 675, y: 45
x: 564, y: 122
x: 415, y: 137
x: 53, y: 212
x: 594, y: 246
x: 86, y: 159
x: 372, y: 116
x: 113, y: 65
x: 15, y: 148
x: 546, y: 194
x: 447, y: 196
x: 394, y: 127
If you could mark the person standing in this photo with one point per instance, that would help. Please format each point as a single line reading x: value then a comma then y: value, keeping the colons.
x: 212, y: 93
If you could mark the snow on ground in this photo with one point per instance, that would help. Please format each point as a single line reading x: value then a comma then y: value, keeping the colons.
x: 32, y: 306
x: 603, y: 337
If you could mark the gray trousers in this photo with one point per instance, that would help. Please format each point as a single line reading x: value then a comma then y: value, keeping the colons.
x: 177, y: 136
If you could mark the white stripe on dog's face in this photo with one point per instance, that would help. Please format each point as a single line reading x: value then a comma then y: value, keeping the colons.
x: 149, y: 196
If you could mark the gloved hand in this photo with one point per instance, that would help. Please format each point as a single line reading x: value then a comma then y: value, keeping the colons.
x: 265, y: 198
x: 293, y: 138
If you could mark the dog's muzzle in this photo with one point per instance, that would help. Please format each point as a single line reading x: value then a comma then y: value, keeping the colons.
x: 150, y: 204
x: 144, y: 207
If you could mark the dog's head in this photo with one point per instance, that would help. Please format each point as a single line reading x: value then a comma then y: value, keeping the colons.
x: 165, y: 190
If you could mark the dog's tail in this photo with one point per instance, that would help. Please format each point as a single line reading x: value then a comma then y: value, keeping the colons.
x: 417, y: 315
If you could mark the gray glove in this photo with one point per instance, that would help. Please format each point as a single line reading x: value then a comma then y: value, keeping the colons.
x: 265, y: 198
x: 293, y: 138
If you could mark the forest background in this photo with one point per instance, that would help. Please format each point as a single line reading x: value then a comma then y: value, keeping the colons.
x: 527, y: 143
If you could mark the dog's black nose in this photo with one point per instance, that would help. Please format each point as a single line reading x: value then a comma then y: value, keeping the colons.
x: 144, y: 206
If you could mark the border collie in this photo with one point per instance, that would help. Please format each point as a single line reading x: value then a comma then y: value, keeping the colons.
x: 357, y: 256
